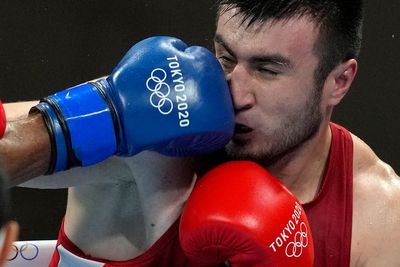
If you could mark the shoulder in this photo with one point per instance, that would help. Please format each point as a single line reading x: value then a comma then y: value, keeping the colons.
x: 376, y: 210
x: 371, y: 173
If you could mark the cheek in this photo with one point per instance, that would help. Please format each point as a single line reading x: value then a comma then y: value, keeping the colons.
x: 279, y: 100
x: 273, y: 109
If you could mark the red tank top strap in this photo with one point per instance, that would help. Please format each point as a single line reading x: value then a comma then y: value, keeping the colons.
x: 330, y: 212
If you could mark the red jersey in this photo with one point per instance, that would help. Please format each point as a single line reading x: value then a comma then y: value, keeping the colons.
x: 330, y: 212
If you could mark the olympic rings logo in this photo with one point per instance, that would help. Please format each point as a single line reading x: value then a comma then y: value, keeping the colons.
x: 160, y: 91
x: 28, y: 251
x: 295, y: 248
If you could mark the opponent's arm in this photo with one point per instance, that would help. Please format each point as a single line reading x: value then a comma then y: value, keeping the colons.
x: 23, y: 139
x: 18, y: 110
x: 25, y: 149
x: 163, y: 96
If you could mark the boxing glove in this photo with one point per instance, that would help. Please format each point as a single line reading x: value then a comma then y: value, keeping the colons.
x: 241, y: 214
x: 2, y: 120
x: 162, y: 96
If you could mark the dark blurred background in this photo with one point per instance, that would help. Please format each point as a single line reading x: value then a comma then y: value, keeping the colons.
x: 50, y: 45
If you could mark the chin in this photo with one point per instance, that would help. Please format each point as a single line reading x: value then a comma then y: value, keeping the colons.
x: 240, y: 150
x: 259, y: 152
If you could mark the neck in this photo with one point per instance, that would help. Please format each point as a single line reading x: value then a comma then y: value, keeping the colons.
x: 303, y: 169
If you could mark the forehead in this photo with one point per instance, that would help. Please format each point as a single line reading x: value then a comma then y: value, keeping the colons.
x: 294, y: 37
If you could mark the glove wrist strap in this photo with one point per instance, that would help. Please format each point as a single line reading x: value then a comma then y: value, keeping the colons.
x: 81, y: 123
x: 59, y: 153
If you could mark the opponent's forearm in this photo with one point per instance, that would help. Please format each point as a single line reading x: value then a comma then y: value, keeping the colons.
x: 18, y: 110
x: 25, y: 149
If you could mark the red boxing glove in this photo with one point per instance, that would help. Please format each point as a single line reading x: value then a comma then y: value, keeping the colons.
x: 2, y: 120
x: 240, y: 213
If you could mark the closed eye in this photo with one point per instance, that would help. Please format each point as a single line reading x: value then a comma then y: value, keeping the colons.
x: 268, y: 71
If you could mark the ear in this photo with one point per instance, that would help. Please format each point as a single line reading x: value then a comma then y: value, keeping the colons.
x: 340, y: 80
x: 11, y: 230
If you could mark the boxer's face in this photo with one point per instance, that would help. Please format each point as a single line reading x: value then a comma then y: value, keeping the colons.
x: 270, y: 69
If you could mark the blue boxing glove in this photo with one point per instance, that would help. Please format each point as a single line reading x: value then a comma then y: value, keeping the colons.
x: 162, y: 96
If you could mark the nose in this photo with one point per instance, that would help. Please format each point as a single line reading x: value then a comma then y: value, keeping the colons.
x: 240, y: 82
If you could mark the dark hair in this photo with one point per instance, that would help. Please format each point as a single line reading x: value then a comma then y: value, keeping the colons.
x: 4, y: 200
x: 339, y: 22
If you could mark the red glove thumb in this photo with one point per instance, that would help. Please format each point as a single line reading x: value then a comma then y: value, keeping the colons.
x: 240, y: 213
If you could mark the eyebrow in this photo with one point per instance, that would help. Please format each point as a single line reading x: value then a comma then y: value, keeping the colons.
x: 219, y: 40
x: 275, y: 59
